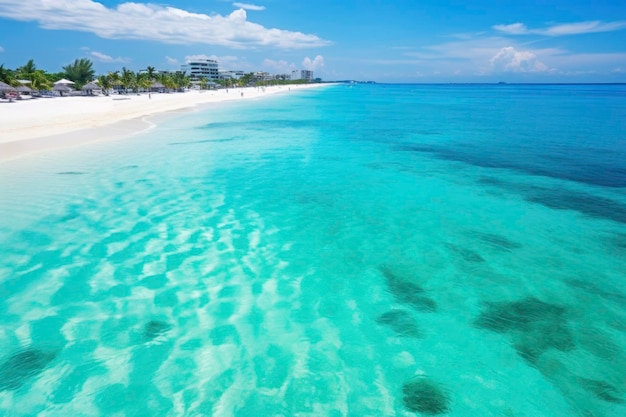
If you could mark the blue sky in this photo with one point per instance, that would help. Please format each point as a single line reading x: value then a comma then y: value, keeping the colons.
x: 385, y: 41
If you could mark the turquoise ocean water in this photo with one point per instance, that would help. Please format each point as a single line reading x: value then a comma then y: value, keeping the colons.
x: 375, y: 250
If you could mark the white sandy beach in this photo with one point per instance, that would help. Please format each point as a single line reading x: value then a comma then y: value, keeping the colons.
x: 34, y: 125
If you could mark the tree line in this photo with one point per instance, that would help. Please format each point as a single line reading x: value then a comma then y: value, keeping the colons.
x: 81, y: 72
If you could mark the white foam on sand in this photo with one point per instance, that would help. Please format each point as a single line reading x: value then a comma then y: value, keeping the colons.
x: 35, y: 125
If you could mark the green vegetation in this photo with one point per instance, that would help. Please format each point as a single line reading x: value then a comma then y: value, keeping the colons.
x: 81, y: 72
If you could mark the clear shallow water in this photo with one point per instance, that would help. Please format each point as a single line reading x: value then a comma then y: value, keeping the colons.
x: 375, y: 250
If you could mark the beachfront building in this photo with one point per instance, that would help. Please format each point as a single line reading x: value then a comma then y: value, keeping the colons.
x: 283, y: 77
x: 263, y: 76
x: 305, y: 75
x: 201, y: 69
x: 230, y: 74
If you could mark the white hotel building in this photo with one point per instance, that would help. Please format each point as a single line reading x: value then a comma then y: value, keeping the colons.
x: 230, y: 75
x: 302, y: 75
x: 201, y: 68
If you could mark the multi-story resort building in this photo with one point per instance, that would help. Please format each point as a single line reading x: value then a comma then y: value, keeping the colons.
x: 207, y: 70
x: 263, y: 76
x: 202, y: 69
x: 230, y: 75
x: 302, y: 75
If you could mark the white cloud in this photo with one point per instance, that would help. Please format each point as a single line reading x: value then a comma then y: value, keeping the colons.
x: 312, y: 65
x: 513, y: 28
x: 148, y: 21
x: 578, y: 28
x: 583, y: 27
x: 248, y: 6
x: 470, y: 57
x: 278, y: 66
x: 1, y: 49
x: 100, y: 57
x: 511, y: 60
x: 190, y: 58
x: 171, y: 61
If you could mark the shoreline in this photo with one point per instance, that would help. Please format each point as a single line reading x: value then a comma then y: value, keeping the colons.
x: 36, y: 125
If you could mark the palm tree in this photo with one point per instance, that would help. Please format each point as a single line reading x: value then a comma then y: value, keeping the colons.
x: 26, y: 72
x: 128, y: 79
x: 144, y: 81
x: 167, y: 80
x: 246, y: 79
x: 105, y: 83
x: 39, y: 81
x: 180, y: 80
x: 28, y: 69
x: 7, y: 75
x: 114, y: 78
x: 81, y: 71
x: 150, y: 71
x: 38, y: 78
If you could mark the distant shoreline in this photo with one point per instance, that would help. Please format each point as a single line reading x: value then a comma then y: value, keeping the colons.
x: 36, y: 125
x: 484, y: 84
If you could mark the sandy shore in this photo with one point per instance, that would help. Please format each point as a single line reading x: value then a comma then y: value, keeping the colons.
x: 34, y: 125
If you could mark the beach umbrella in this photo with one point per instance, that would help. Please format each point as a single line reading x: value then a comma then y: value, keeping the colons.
x: 63, y: 81
x: 89, y: 87
x: 6, y: 87
x: 24, y: 89
x: 61, y: 89
x: 9, y: 91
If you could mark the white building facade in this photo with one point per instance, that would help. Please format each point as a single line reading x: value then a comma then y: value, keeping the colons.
x: 230, y: 75
x: 202, y: 69
x: 302, y: 75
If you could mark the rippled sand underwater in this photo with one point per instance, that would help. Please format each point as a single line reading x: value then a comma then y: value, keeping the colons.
x: 346, y: 252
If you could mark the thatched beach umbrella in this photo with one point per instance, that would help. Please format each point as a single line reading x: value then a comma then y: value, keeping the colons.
x: 63, y: 81
x: 9, y: 91
x: 6, y: 87
x: 61, y: 89
x: 24, y: 89
x: 89, y: 87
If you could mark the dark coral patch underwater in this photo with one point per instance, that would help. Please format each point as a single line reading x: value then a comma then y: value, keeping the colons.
x: 533, y: 326
x: 563, y: 199
x: 425, y: 396
x: 602, y: 390
x: 518, y: 315
x: 408, y: 292
x: 155, y: 328
x: 400, y: 322
x: 16, y: 370
x: 466, y: 254
x: 497, y: 241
